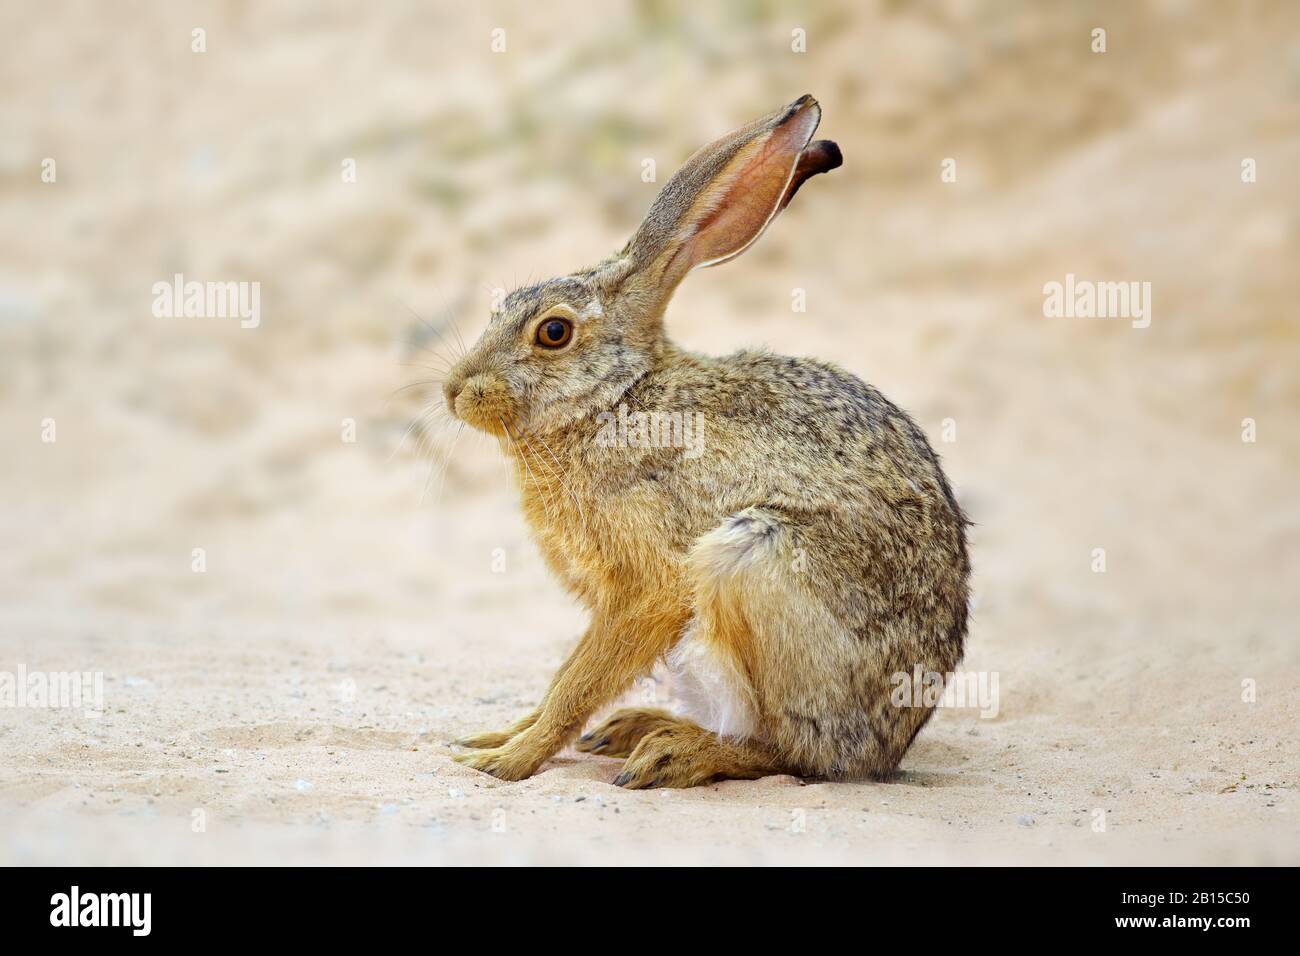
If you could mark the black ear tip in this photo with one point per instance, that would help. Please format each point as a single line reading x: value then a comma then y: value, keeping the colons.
x: 827, y: 153
x: 819, y: 156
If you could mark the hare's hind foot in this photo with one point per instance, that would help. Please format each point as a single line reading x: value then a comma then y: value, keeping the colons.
x: 684, y: 754
x: 619, y: 733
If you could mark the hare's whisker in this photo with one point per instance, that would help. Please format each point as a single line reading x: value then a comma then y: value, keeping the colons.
x: 560, y: 477
x: 555, y: 481
x: 455, y: 328
x: 446, y: 466
x: 541, y: 464
x: 414, y: 346
x: 440, y: 333
x: 541, y: 491
x: 425, y: 417
x: 428, y: 368
x: 424, y: 425
x: 628, y: 396
x: 411, y: 385
x: 419, y: 427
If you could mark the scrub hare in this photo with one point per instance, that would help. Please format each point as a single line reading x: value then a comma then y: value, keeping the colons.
x: 786, y: 570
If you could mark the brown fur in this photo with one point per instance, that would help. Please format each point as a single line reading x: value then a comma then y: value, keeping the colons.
x: 811, y: 552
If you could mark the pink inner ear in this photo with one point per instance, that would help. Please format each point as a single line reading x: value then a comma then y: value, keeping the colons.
x: 750, y: 193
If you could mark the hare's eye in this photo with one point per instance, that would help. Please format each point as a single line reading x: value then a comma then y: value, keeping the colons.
x: 554, y: 333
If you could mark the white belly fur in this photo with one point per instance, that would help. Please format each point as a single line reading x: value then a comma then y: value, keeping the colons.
x: 714, y: 694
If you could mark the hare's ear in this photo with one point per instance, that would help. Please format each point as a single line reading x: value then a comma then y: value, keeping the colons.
x: 717, y: 204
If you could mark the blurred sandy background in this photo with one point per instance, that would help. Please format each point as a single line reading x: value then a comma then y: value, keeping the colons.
x: 300, y: 692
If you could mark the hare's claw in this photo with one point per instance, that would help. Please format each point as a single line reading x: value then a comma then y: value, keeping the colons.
x: 621, y: 731
x: 666, y: 757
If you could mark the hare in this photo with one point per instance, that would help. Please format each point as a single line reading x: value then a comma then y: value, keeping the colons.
x: 787, y: 566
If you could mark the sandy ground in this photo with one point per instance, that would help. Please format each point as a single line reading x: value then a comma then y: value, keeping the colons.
x: 365, y: 602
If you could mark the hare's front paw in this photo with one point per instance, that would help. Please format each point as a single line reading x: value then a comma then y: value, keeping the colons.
x: 484, y: 741
x: 511, y: 762
x: 621, y: 731
x: 497, y: 738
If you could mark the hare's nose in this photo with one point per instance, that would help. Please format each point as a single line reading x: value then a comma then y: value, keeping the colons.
x: 473, y: 389
x: 451, y: 391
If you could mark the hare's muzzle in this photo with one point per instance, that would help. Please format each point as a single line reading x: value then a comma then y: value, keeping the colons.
x: 481, y: 401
